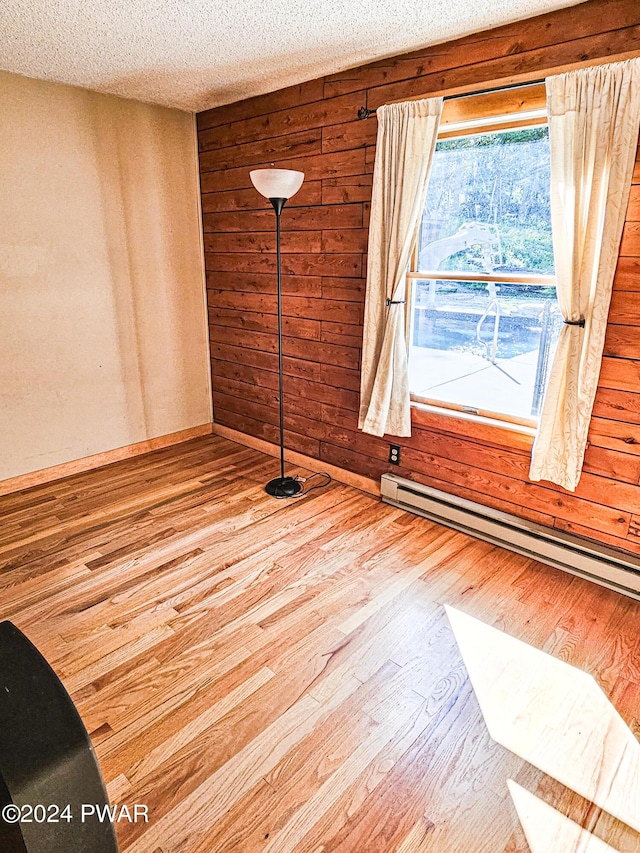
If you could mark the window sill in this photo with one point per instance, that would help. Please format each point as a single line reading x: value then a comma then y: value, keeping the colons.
x: 484, y: 430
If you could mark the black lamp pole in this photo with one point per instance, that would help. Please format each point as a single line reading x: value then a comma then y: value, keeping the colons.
x: 281, y: 487
x: 278, y: 185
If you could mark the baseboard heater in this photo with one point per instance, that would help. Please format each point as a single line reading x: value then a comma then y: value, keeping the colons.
x: 565, y: 551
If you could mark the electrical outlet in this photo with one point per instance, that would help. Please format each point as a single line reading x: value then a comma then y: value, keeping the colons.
x: 394, y: 454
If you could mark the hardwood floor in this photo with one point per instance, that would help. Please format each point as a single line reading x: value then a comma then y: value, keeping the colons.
x: 283, y: 677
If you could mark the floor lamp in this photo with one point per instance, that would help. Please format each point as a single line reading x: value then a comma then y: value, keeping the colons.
x: 278, y: 185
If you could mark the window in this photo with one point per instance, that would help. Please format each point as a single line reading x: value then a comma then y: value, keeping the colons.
x: 484, y: 319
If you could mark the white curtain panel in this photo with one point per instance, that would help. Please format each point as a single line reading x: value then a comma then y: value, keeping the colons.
x: 406, y: 141
x: 594, y: 115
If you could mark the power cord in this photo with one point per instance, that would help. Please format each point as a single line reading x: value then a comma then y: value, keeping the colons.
x: 306, y: 491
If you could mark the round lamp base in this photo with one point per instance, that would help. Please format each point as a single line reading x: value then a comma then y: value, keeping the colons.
x: 283, y: 487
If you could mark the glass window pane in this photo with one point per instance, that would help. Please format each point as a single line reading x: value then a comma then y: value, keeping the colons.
x: 483, y: 346
x: 486, y: 346
x: 487, y: 207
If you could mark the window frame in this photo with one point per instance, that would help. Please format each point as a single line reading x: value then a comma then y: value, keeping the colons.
x: 467, y: 115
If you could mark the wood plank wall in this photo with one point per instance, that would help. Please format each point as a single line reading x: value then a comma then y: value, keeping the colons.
x: 313, y: 127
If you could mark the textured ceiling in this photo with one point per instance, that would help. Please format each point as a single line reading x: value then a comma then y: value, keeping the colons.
x: 195, y: 54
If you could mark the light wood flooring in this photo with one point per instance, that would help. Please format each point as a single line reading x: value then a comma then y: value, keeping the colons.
x: 283, y: 677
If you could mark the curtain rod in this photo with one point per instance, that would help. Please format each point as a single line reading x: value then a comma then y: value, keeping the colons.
x: 365, y: 112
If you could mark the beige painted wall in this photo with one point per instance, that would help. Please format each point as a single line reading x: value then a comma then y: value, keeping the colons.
x: 103, y: 337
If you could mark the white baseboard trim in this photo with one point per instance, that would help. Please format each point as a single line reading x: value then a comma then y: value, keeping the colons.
x: 574, y: 554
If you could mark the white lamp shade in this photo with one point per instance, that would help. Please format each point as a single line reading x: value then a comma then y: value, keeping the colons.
x: 276, y: 183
